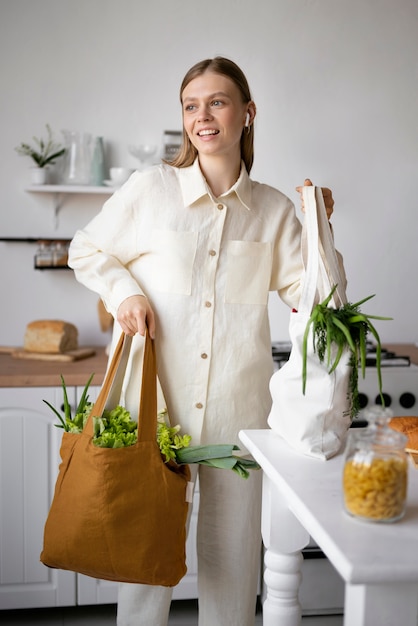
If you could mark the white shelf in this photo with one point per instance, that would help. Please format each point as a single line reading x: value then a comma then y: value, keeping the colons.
x: 60, y: 191
x: 88, y: 189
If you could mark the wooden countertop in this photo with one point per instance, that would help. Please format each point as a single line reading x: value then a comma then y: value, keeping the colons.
x: 22, y: 373
x: 404, y: 349
x: 30, y: 373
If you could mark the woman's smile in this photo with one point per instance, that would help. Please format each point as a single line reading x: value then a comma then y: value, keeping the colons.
x: 207, y: 132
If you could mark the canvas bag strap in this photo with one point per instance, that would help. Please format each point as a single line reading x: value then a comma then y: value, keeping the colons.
x: 318, y: 253
x: 108, y: 385
x: 310, y: 252
x: 109, y: 394
x: 329, y: 265
x: 147, y: 419
x: 114, y: 374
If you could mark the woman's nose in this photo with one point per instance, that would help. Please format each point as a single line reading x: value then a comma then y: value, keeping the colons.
x: 204, y: 114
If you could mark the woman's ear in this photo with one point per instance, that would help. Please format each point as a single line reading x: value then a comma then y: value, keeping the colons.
x: 251, y: 112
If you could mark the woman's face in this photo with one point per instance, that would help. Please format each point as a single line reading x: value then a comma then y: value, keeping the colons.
x: 214, y: 115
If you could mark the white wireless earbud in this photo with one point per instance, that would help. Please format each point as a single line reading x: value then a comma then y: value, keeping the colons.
x: 247, y: 120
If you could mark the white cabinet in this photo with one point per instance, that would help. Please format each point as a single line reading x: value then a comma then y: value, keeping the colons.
x: 29, y: 457
x: 29, y: 460
x: 187, y: 588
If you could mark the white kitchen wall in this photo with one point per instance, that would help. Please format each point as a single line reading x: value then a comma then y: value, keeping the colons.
x: 336, y: 85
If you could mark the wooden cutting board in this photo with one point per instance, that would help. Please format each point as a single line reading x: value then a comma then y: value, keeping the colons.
x: 72, y: 355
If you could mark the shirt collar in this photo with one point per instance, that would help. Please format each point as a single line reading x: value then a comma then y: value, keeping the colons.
x: 193, y: 185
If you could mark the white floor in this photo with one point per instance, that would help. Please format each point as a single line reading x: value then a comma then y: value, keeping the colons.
x: 183, y: 613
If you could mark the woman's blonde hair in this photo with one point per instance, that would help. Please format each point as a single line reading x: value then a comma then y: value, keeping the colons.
x: 187, y: 152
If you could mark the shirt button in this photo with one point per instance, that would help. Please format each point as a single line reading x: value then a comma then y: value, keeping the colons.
x: 212, y: 252
x: 208, y: 305
x: 220, y: 207
x: 199, y: 405
x: 204, y: 355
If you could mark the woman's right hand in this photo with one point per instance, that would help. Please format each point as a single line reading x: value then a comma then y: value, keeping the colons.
x: 134, y: 314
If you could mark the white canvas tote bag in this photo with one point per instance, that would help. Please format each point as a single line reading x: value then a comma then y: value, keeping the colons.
x: 314, y: 423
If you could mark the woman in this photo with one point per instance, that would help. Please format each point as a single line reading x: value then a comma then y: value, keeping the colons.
x: 193, y: 248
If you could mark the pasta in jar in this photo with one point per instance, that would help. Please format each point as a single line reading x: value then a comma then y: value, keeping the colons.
x: 375, y: 474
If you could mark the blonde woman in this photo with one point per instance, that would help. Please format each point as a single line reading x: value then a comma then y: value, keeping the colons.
x: 192, y: 248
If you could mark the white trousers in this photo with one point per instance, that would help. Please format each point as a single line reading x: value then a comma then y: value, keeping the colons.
x: 229, y: 557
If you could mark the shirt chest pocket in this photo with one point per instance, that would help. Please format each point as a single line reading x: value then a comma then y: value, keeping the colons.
x: 248, y: 272
x: 173, y: 255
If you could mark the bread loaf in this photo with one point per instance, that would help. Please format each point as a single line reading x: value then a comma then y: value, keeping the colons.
x: 50, y: 336
x: 408, y: 425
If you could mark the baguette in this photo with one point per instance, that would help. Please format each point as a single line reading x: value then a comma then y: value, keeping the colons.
x: 50, y: 336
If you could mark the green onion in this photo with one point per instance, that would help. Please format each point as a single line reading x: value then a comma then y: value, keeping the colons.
x: 345, y: 328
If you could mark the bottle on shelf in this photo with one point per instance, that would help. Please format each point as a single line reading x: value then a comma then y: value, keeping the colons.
x: 97, y: 173
x: 43, y: 256
x: 60, y: 254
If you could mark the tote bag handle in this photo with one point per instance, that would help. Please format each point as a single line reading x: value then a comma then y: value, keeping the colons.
x: 110, y: 391
x: 318, y: 253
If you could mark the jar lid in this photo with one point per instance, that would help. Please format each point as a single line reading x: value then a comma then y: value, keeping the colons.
x: 378, y: 432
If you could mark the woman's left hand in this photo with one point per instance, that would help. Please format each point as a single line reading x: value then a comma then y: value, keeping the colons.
x: 326, y: 193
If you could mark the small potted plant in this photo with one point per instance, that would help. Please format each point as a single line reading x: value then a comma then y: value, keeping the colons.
x: 43, y: 153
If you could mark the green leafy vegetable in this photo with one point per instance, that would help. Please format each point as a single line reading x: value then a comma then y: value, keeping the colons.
x: 116, y: 429
x: 81, y: 413
x: 344, y: 328
x: 168, y: 439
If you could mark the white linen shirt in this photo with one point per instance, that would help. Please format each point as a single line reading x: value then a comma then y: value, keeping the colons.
x: 206, y: 265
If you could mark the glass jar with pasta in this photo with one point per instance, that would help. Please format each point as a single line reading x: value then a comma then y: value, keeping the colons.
x: 375, y: 475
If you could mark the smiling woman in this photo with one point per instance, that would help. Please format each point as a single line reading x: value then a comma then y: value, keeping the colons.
x: 191, y: 248
x: 224, y: 85
x: 214, y: 116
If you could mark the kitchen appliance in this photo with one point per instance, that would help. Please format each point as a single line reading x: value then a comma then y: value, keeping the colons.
x: 399, y: 378
x: 322, y: 589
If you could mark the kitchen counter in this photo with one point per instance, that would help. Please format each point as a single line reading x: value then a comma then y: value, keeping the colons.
x: 302, y: 499
x: 404, y: 349
x: 33, y: 373
x: 30, y: 373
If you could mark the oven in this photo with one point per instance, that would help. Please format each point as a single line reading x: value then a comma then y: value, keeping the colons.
x: 322, y: 588
x: 399, y: 378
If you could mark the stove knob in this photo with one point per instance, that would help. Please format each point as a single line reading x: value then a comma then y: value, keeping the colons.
x: 363, y: 400
x: 386, y: 398
x: 407, y: 400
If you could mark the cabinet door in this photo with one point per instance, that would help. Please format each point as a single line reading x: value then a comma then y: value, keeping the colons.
x: 29, y: 459
x: 187, y: 587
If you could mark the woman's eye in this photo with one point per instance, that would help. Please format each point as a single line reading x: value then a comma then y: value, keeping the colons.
x: 189, y: 107
x: 217, y: 103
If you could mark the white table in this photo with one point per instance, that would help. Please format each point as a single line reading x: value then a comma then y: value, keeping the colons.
x: 302, y: 497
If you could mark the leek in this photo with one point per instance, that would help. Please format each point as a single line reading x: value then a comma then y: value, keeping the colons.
x: 346, y: 327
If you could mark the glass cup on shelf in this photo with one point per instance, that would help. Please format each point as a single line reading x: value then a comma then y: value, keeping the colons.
x: 145, y: 153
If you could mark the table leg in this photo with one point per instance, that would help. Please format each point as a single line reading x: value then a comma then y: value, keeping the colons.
x: 386, y: 604
x: 284, y: 538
